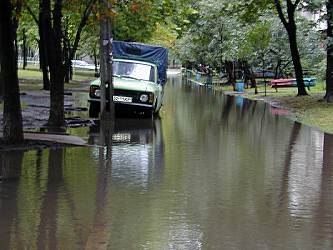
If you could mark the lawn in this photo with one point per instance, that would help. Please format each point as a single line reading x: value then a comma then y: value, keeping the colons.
x: 31, y: 79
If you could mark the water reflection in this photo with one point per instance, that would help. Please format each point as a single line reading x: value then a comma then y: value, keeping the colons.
x: 137, y: 151
x: 10, y: 172
x: 323, y: 228
x: 210, y: 174
x: 48, y: 225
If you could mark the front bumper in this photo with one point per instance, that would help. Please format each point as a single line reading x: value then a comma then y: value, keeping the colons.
x: 129, y: 105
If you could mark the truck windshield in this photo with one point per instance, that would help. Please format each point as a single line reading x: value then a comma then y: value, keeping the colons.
x: 134, y: 70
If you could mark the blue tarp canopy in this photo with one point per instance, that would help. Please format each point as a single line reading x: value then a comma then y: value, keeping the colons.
x: 143, y: 52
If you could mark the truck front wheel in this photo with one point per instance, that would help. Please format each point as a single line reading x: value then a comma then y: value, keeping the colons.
x: 94, y: 109
x: 148, y: 113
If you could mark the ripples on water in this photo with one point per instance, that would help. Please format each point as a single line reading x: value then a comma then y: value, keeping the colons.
x: 212, y: 173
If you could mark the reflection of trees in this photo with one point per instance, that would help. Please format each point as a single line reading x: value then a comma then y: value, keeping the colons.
x: 325, y: 207
x: 10, y: 169
x: 10, y: 164
x: 48, y: 215
x: 100, y: 232
x: 227, y: 109
x: 158, y: 152
x: 287, y: 162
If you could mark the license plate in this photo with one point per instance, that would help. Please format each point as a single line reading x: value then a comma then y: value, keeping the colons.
x: 122, y: 99
x: 121, y: 137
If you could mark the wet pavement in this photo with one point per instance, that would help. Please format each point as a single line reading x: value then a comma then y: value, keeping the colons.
x: 213, y: 172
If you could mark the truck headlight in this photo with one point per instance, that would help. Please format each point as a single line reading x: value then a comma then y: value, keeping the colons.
x: 144, y: 98
x: 94, y: 91
x: 97, y: 93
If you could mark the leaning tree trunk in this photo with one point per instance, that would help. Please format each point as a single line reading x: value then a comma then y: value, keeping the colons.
x: 95, y: 62
x: 329, y: 67
x: 290, y: 27
x: 72, y: 49
x: 277, y: 69
x: 12, y: 117
x: 296, y: 61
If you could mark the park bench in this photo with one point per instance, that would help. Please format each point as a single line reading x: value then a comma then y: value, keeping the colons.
x: 291, y: 83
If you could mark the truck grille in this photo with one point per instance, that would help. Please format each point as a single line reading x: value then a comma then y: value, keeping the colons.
x: 129, y: 93
x: 119, y: 92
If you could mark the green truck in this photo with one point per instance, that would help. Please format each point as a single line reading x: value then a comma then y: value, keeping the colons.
x: 139, y: 76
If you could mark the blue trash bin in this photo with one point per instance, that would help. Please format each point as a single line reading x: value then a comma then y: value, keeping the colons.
x: 239, y: 86
x: 197, y: 76
x: 239, y: 101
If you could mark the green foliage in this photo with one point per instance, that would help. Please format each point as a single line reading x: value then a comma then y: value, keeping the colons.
x: 247, y: 30
x: 135, y: 21
x: 164, y: 35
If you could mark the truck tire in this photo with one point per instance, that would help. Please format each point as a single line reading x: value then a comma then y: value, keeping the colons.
x: 157, y: 112
x: 149, y: 113
x: 94, y: 110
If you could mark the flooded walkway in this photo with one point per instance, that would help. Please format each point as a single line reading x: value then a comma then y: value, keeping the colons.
x: 212, y: 173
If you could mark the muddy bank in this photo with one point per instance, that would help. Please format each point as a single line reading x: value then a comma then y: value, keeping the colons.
x: 35, y: 114
x: 36, y: 108
x: 30, y: 145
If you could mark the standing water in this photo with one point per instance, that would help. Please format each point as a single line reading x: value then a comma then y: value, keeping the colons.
x: 214, y: 172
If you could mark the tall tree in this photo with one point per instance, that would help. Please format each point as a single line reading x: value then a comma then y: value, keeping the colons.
x: 290, y: 25
x: 53, y: 42
x: 12, y: 117
x: 329, y: 67
x: 72, y: 47
x: 40, y: 21
x: 107, y: 107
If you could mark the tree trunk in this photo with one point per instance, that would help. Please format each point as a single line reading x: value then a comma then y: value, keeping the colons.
x: 24, y: 49
x: 95, y: 62
x: 296, y: 61
x: 82, y: 24
x: 1, y: 80
x: 42, y: 48
x: 329, y: 56
x: 249, y: 74
x: 66, y: 52
x: 54, y: 52
x: 229, y: 66
x: 57, y: 116
x: 290, y: 26
x: 277, y: 69
x: 12, y: 117
x: 107, y: 105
